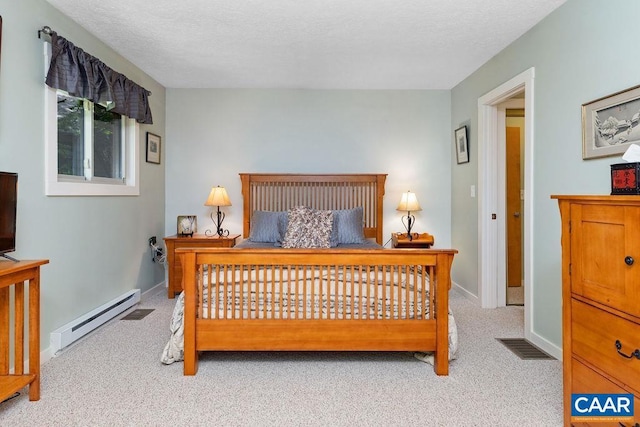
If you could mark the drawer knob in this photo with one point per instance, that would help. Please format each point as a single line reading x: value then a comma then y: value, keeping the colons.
x: 635, y: 353
x: 628, y: 260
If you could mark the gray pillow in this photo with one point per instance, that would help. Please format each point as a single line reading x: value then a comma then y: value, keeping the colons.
x: 308, y: 228
x: 267, y: 226
x: 348, y: 227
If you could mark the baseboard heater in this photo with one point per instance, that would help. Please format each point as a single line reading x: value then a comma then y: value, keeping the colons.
x: 76, y: 329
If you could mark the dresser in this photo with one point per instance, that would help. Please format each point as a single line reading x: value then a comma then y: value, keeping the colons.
x: 600, y: 298
x: 174, y: 266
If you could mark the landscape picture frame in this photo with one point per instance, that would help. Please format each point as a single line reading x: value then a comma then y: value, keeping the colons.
x: 610, y: 124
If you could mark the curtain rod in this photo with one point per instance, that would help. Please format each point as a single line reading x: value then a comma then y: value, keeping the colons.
x: 45, y: 33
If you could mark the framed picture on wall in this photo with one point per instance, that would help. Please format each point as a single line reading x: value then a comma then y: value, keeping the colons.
x: 610, y: 124
x: 0, y: 34
x: 462, y: 145
x: 153, y: 148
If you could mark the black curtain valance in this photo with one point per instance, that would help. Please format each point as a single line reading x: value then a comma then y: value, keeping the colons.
x: 85, y: 76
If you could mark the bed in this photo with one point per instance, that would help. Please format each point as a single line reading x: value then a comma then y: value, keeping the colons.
x: 338, y: 290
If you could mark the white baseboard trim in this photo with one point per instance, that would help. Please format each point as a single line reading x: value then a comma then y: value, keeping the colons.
x: 546, y: 346
x: 160, y: 287
x: 468, y: 295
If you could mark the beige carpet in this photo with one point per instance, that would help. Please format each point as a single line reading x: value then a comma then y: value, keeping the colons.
x: 515, y: 295
x: 114, y: 378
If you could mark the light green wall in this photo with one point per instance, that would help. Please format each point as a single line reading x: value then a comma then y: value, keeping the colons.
x: 582, y: 51
x: 215, y: 134
x: 97, y: 246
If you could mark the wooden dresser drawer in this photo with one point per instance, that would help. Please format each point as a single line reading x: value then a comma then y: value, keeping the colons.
x: 586, y: 380
x: 595, y: 333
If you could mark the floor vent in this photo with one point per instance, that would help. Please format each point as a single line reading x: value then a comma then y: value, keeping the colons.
x: 524, y: 349
x: 73, y: 331
x: 138, y: 314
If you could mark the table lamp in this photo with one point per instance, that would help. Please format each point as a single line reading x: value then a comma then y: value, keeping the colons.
x: 218, y: 197
x: 409, y: 203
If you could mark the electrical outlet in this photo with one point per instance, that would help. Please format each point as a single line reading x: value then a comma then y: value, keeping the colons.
x: 152, y: 240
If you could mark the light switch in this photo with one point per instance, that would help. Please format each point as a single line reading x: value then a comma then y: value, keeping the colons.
x: 473, y: 191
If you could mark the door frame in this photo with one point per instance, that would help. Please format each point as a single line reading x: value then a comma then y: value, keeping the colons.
x: 491, y: 190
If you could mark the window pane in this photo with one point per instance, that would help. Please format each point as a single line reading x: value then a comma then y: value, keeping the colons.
x: 70, y: 136
x: 107, y: 143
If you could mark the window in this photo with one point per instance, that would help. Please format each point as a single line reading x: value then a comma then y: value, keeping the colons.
x: 90, y: 140
x: 90, y: 150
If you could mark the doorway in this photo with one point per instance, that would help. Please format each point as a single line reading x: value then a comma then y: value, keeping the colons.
x: 492, y: 210
x: 514, y: 187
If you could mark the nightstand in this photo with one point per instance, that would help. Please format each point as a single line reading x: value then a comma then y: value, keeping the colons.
x: 419, y: 240
x: 197, y: 241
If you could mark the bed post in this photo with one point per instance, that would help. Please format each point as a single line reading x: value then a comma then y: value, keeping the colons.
x: 443, y: 284
x: 190, y: 300
x: 246, y: 204
x: 381, y: 178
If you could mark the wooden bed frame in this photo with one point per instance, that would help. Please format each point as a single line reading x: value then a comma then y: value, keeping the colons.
x: 337, y: 329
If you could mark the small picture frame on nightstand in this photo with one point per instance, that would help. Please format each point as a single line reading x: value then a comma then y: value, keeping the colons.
x: 187, y: 225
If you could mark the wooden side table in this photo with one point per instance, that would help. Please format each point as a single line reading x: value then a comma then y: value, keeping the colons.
x: 419, y: 240
x: 197, y: 241
x: 15, y: 274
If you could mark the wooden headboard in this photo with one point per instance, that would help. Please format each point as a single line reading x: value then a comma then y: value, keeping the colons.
x: 280, y: 192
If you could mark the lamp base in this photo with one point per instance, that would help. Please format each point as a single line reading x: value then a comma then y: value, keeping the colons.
x: 218, y: 225
x: 409, y: 224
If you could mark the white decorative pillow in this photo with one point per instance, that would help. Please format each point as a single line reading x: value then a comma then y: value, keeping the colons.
x: 308, y: 228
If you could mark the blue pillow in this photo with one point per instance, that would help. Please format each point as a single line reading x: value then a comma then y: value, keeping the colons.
x: 348, y: 227
x: 267, y: 226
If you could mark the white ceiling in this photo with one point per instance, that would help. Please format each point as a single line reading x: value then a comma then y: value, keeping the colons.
x: 312, y: 44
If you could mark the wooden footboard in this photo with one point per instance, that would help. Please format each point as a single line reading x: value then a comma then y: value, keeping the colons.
x: 320, y: 299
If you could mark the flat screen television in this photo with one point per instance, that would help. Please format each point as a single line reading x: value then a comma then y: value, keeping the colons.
x: 8, y: 207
